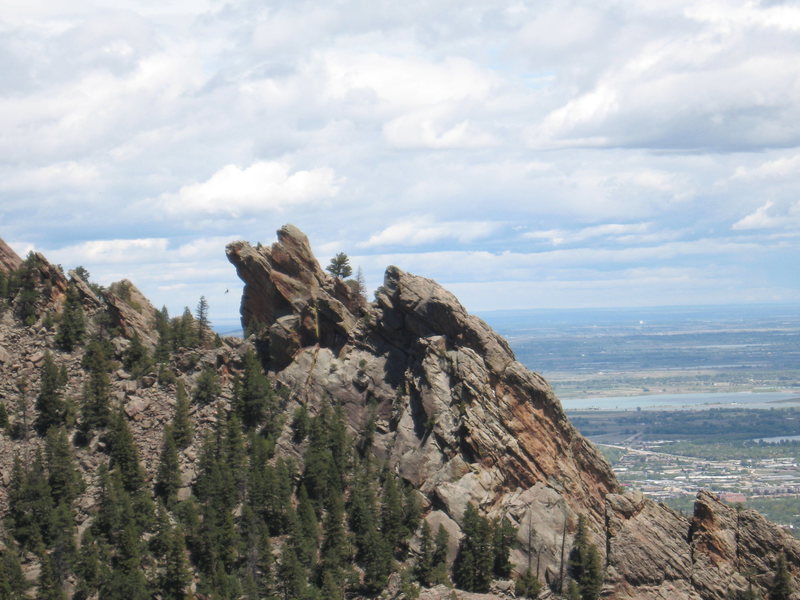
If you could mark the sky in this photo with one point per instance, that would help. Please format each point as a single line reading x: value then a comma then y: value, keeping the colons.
x: 523, y: 154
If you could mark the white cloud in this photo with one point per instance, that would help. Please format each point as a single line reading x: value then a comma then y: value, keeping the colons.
x: 770, y: 216
x: 55, y: 176
x: 263, y: 186
x: 417, y: 232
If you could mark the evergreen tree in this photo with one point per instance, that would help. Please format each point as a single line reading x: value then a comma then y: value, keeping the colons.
x: 592, y: 583
x: 781, y: 588
x: 424, y: 568
x: 95, y: 412
x: 72, y: 327
x: 177, y: 576
x: 124, y: 455
x: 208, y: 387
x: 257, y: 401
x: 136, y: 359
x: 377, y: 561
x: 164, y: 345
x: 28, y: 293
x: 201, y: 319
x: 292, y: 575
x: 12, y: 579
x: 62, y: 542
x: 440, y: 545
x: 64, y: 478
x: 50, y: 405
x: 475, y: 560
x: 527, y: 585
x: 30, y: 505
x: 504, y: 535
x: 392, y: 527
x: 50, y: 587
x: 340, y: 266
x: 168, y: 478
x: 182, y: 429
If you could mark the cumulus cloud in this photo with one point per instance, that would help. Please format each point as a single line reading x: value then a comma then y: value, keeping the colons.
x: 405, y: 133
x: 263, y: 186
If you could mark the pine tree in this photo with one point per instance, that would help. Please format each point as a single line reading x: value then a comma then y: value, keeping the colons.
x: 73, y: 321
x: 257, y: 401
x: 781, y: 588
x: 50, y: 405
x: 30, y: 513
x: 201, y: 319
x: 340, y: 266
x: 592, y: 583
x: 292, y: 575
x: 424, y: 568
x: 168, y: 478
x: 504, y: 536
x: 182, y: 429
x: 12, y: 579
x: 164, y: 345
x: 475, y: 561
x: 440, y: 545
x: 124, y: 454
x: 177, y: 576
x: 208, y: 387
x: 49, y: 587
x: 64, y: 479
x: 527, y: 585
x: 136, y: 359
x: 95, y: 412
x: 392, y: 527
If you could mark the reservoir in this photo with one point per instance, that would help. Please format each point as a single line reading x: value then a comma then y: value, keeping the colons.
x: 762, y: 400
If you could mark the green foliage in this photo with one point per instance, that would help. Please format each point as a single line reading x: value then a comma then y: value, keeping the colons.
x: 257, y: 401
x: 168, y: 478
x: 201, y: 321
x: 4, y: 423
x: 475, y: 560
x: 28, y: 293
x: 527, y: 585
x: 64, y: 479
x: 72, y: 327
x: 340, y: 266
x: 29, y: 518
x: 95, y: 412
x: 300, y: 424
x: 504, y: 535
x: 164, y: 345
x: 424, y: 567
x: 208, y: 388
x: 182, y: 428
x: 177, y: 576
x: 50, y: 406
x: 136, y: 359
x: 585, y: 565
x: 12, y: 579
x: 781, y: 588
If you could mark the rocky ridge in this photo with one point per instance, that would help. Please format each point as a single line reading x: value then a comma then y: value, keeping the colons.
x: 453, y: 413
x: 459, y: 418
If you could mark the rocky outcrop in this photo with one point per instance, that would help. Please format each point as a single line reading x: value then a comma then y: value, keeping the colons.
x: 457, y: 416
x: 131, y: 312
x: 9, y: 260
x: 452, y: 410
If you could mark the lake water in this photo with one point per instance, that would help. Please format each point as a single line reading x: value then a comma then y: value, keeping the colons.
x: 763, y: 400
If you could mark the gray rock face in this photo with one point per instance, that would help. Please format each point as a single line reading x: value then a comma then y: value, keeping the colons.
x: 457, y: 416
x: 453, y: 412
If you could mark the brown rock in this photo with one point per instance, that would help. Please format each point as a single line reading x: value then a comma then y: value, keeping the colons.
x: 9, y: 260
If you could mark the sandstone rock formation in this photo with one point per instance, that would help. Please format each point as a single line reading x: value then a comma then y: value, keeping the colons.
x: 457, y: 416
x: 9, y: 260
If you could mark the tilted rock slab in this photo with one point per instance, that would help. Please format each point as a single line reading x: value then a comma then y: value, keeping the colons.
x: 457, y: 416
